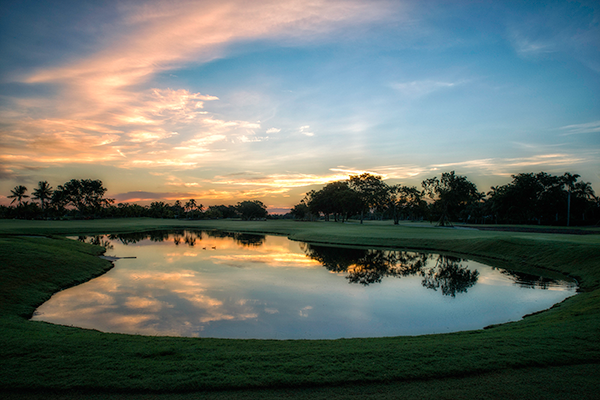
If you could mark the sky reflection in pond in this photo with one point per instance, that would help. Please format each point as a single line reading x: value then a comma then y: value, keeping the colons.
x: 231, y: 285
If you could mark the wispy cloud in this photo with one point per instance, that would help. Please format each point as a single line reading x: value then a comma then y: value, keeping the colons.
x: 423, y: 87
x: 509, y: 166
x: 554, y: 31
x: 590, y: 127
x: 280, y: 180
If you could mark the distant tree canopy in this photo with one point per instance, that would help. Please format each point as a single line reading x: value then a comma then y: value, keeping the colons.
x: 544, y: 199
x: 250, y: 210
x: 452, y: 194
x: 529, y: 199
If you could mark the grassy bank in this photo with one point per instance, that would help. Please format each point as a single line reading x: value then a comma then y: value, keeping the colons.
x: 37, y: 357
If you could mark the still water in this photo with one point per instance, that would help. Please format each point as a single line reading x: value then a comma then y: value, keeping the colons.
x: 231, y: 285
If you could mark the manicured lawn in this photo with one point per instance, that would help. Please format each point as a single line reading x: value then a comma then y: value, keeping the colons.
x: 553, y: 354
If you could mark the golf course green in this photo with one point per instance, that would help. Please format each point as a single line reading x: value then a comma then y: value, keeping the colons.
x: 554, y: 354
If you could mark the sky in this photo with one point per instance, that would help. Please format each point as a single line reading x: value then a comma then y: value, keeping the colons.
x: 229, y: 100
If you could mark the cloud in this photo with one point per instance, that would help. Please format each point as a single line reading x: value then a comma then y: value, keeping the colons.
x: 139, y: 196
x: 211, y: 195
x: 590, y: 127
x: 422, y: 88
x: 305, y: 131
x: 251, y: 139
x: 509, y: 166
x: 556, y: 30
x: 104, y: 110
x: 388, y: 171
x: 273, y: 130
x: 279, y: 180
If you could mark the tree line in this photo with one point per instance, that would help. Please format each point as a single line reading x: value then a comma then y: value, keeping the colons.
x: 85, y: 198
x: 531, y: 198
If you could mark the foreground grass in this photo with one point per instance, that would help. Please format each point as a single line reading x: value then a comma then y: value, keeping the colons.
x: 38, y: 357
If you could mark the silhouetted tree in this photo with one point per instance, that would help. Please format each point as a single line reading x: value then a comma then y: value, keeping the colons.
x: 371, y: 190
x: 542, y: 198
x: 86, y: 195
x: 300, y: 211
x: 451, y: 194
x: 405, y: 202
x: 160, y: 209
x: 42, y: 193
x: 250, y: 210
x: 178, y: 209
x: 18, y: 194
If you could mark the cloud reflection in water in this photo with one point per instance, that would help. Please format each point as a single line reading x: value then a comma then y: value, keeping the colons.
x: 218, y: 284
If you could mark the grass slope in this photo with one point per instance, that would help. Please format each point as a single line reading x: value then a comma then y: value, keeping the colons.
x: 39, y: 357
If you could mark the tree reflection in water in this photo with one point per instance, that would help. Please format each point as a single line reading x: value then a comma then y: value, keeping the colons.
x: 188, y: 237
x: 96, y: 240
x: 529, y: 281
x: 449, y: 275
x: 243, y: 239
x: 368, y: 266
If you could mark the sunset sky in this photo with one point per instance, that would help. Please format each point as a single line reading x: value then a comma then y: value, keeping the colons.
x: 223, y: 101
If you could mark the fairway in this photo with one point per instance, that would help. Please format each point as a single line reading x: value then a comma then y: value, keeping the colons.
x: 552, y: 354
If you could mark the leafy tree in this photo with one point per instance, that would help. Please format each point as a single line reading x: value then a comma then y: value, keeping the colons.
x: 86, y: 195
x: 43, y: 193
x: 253, y: 209
x: 372, y: 192
x: 452, y: 194
x: 335, y: 198
x: 18, y: 194
x: 300, y: 211
x: 405, y: 202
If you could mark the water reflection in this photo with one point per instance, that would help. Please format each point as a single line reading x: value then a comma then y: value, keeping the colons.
x: 98, y: 240
x: 188, y: 237
x: 232, y: 285
x: 368, y: 266
x: 243, y: 239
x: 531, y: 281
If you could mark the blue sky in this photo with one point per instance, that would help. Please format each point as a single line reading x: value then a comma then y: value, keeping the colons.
x: 223, y: 101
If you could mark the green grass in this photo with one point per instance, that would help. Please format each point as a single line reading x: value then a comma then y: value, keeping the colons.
x: 553, y: 354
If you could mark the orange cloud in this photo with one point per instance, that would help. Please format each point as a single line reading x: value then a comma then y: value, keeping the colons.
x: 100, y: 114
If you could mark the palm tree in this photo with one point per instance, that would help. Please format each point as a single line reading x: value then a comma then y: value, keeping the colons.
x: 42, y: 193
x: 18, y: 194
x: 569, y: 180
x: 191, y: 204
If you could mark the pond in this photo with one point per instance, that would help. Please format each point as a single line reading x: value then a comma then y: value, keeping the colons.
x: 232, y: 285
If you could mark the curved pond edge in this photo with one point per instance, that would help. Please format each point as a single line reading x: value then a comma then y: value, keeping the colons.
x: 561, y: 337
